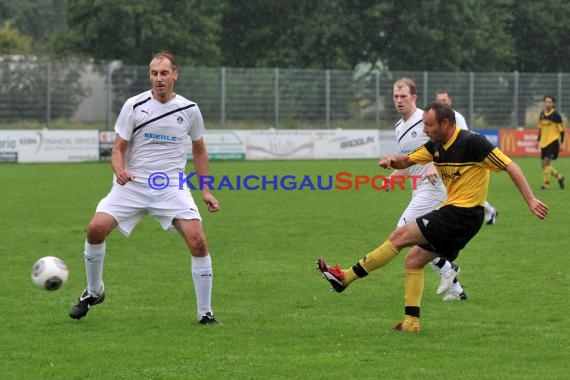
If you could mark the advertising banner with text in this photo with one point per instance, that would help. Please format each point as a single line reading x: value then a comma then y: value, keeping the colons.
x: 519, y: 143
x: 49, y: 145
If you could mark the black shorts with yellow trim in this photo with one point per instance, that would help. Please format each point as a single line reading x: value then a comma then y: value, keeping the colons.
x: 448, y: 229
x: 550, y: 151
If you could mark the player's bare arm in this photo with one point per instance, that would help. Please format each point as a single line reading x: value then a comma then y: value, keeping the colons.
x: 118, y: 161
x: 200, y: 155
x: 401, y: 161
x: 431, y: 173
x: 537, y: 207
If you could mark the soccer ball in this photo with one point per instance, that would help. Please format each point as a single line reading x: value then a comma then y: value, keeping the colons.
x: 49, y: 273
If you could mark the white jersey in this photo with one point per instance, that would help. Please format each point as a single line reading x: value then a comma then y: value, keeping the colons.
x: 460, y: 121
x: 158, y: 134
x: 409, y: 136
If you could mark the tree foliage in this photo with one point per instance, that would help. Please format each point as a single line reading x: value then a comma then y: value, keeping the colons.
x: 437, y: 35
x: 12, y: 41
x: 133, y: 31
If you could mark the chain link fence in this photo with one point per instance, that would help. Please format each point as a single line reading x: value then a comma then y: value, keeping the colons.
x: 37, y: 94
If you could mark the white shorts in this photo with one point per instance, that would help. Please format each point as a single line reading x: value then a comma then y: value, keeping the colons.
x: 129, y: 203
x: 421, y: 204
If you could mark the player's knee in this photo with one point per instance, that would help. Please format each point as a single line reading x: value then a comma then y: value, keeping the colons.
x: 97, y: 231
x: 198, y: 245
x: 414, y: 261
x: 399, y: 238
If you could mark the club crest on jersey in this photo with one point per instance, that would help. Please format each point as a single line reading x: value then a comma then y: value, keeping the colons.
x: 414, y: 134
x: 179, y: 119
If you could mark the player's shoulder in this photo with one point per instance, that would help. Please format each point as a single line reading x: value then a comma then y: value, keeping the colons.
x: 138, y: 100
x: 182, y: 101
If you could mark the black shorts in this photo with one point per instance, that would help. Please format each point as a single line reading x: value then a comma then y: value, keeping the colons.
x: 448, y: 229
x: 550, y: 151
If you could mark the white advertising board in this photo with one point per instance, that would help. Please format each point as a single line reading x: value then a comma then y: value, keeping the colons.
x: 49, y: 145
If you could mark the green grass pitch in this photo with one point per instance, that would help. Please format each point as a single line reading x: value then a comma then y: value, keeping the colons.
x: 279, y: 318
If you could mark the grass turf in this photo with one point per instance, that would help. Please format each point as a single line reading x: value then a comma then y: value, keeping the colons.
x: 279, y: 318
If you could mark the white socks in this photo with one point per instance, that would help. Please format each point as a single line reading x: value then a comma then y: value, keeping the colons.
x: 489, y: 210
x: 437, y: 269
x: 202, y: 277
x: 94, y: 255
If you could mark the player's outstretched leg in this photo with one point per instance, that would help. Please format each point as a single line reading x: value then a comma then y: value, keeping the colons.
x: 334, y: 275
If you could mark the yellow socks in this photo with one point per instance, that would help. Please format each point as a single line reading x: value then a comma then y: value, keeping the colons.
x: 413, y: 290
x: 374, y: 260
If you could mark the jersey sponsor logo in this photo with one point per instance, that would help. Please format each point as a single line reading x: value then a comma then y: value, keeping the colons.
x: 157, y: 136
x: 450, y: 177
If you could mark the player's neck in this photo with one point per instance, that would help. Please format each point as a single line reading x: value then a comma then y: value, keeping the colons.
x: 407, y: 115
x: 164, y: 98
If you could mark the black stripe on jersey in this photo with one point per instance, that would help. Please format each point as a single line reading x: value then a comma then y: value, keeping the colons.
x: 162, y: 116
x: 497, y: 161
x: 141, y: 102
x: 454, y: 164
x: 409, y: 129
x: 398, y: 123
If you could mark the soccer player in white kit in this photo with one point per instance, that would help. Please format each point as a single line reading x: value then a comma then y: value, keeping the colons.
x: 443, y: 97
x: 152, y: 133
x: 429, y: 192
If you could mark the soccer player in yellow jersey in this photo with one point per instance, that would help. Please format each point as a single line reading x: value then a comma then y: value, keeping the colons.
x: 550, y: 135
x: 463, y: 160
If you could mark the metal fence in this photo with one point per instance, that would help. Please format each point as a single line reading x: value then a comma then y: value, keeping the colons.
x: 36, y: 93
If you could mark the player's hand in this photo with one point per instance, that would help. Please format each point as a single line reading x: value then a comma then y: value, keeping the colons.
x: 211, y: 202
x: 388, y: 183
x: 538, y: 208
x: 431, y: 175
x: 124, y: 176
x: 385, y: 162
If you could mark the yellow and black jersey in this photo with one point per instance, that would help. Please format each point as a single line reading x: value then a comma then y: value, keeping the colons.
x: 550, y: 127
x: 463, y: 164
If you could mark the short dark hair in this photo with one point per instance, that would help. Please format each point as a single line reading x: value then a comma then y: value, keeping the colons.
x: 549, y: 96
x: 165, y: 55
x: 442, y: 112
x: 407, y: 82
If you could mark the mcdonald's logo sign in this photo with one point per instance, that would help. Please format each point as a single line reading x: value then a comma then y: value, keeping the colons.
x: 508, y: 142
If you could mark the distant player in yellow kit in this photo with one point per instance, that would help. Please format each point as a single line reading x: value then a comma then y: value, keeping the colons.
x: 550, y: 135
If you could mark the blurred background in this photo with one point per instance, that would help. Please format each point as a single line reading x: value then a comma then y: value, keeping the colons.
x: 298, y: 64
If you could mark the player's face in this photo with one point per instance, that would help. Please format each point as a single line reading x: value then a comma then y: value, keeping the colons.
x: 162, y: 78
x: 548, y: 104
x: 435, y: 131
x: 443, y: 98
x: 404, y: 101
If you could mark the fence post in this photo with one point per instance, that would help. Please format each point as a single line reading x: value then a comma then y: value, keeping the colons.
x: 222, y: 97
x: 559, y: 93
x: 48, y: 94
x: 516, y: 98
x: 377, y: 97
x: 426, y: 90
x: 109, y: 95
x: 471, y: 100
x: 328, y: 98
x: 276, y: 95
